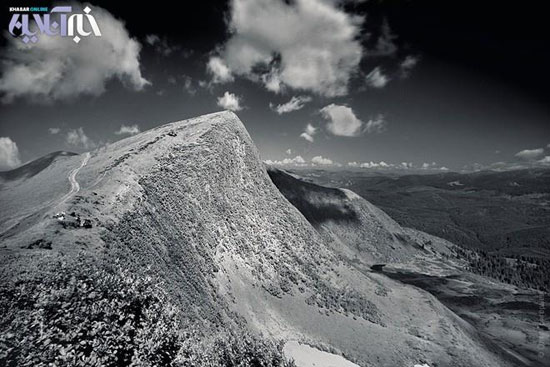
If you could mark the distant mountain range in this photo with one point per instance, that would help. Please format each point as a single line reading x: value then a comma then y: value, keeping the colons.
x: 501, y: 212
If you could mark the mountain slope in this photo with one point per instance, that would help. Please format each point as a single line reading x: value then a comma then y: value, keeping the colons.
x: 25, y: 194
x: 34, y: 167
x: 179, y: 244
x: 507, y: 317
x: 356, y: 228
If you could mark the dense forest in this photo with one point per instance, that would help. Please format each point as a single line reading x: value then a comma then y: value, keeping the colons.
x: 521, y: 271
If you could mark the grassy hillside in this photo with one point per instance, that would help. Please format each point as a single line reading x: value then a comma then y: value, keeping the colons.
x: 174, y: 247
x: 506, y: 316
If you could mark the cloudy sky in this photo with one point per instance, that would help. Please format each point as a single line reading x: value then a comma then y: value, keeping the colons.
x: 363, y: 84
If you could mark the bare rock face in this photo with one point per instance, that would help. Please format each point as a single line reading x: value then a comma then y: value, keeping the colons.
x: 192, y: 256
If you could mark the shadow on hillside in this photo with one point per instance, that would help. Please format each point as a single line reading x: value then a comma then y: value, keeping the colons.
x: 317, y: 203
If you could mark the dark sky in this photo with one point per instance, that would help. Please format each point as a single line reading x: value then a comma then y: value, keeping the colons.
x: 478, y: 93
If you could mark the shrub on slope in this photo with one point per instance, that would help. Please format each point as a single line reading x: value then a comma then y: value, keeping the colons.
x: 90, y: 313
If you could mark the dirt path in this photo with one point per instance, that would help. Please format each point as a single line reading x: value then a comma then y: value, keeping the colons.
x: 32, y: 219
x: 75, y: 186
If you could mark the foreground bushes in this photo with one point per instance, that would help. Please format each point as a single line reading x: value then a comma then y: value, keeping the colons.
x: 85, y: 314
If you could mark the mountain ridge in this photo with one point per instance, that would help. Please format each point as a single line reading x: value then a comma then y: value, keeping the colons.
x: 188, y: 218
x: 33, y: 167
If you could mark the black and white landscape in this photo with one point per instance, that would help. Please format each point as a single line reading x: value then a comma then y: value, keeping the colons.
x: 177, y: 246
x: 374, y: 189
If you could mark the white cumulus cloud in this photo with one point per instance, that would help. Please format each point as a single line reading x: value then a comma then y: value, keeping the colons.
x: 530, y: 154
x: 296, y: 103
x: 78, y: 138
x: 230, y: 101
x: 377, y: 79
x: 432, y: 166
x: 320, y: 160
x: 309, y: 132
x: 152, y: 39
x: 219, y: 70
x: 296, y: 161
x: 341, y: 120
x: 407, y: 65
x: 56, y: 68
x: 370, y: 164
x: 308, y: 45
x: 54, y: 130
x: 128, y: 130
x: 9, y: 154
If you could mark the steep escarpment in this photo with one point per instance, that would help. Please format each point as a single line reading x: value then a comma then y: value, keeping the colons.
x: 356, y: 229
x: 190, y: 254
